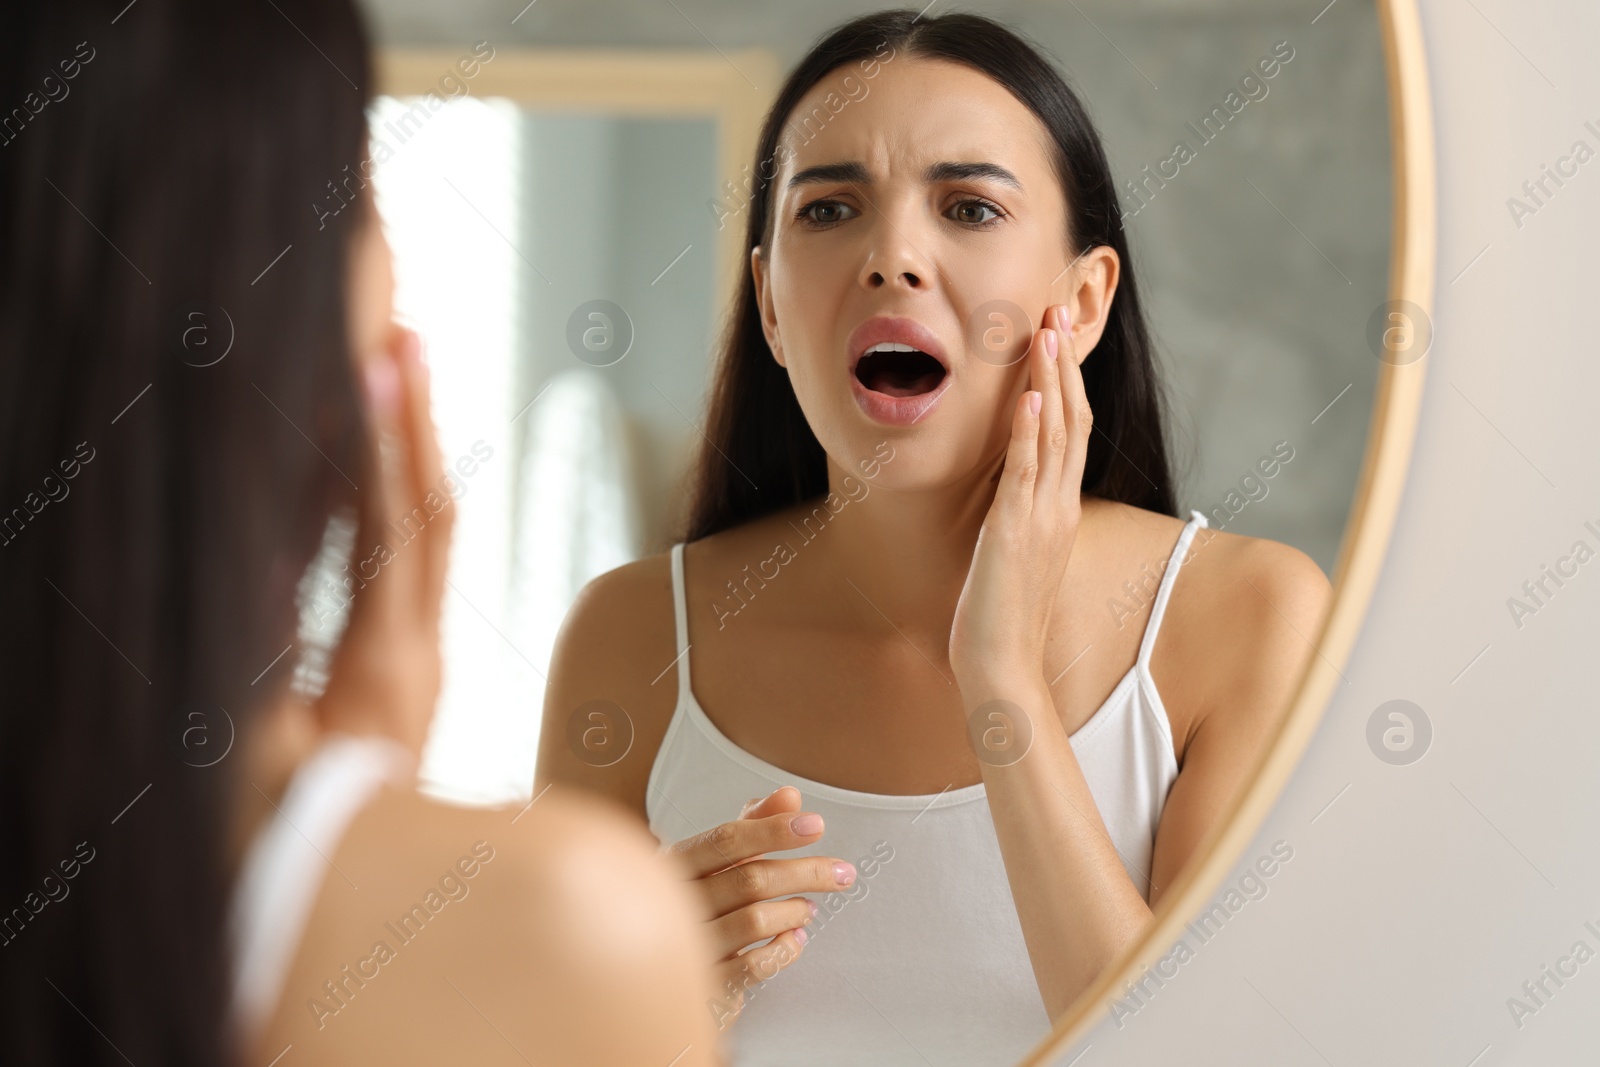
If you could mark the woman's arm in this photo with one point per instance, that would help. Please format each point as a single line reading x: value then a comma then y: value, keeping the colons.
x: 1077, y: 906
x: 609, y: 673
x: 1075, y: 902
x: 1272, y: 599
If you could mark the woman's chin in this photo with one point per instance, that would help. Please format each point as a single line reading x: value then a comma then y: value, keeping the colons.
x: 913, y: 462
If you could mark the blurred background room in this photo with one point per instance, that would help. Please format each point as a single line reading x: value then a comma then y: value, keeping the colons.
x: 563, y: 184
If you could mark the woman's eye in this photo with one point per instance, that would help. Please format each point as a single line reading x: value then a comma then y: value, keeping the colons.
x: 974, y: 212
x: 825, y: 212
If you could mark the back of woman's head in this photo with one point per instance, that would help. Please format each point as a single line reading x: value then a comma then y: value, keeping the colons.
x: 760, y: 454
x: 178, y: 419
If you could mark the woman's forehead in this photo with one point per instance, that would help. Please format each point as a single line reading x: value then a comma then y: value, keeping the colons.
x: 915, y: 113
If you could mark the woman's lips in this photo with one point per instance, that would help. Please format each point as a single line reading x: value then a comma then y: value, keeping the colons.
x: 887, y: 408
x: 896, y: 410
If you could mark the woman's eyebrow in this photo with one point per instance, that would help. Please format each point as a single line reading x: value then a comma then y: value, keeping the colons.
x: 855, y: 173
x: 953, y: 172
x: 852, y: 172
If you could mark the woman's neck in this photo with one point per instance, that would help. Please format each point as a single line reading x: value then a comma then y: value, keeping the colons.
x: 906, y: 551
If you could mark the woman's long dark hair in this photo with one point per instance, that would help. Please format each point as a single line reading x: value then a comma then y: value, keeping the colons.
x: 159, y: 175
x: 756, y: 434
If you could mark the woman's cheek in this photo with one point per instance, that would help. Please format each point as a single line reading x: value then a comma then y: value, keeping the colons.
x: 996, y: 403
x: 821, y: 398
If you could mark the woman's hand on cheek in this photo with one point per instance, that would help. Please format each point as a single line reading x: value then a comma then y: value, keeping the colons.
x: 386, y: 672
x: 1028, y: 534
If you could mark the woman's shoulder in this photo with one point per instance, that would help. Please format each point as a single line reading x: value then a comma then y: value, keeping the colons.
x: 750, y: 540
x: 622, y: 626
x: 621, y: 595
x: 1220, y: 570
x: 1254, y: 579
x: 612, y: 667
x: 506, y: 929
x: 616, y: 656
x: 549, y: 846
x: 619, y: 624
x: 1242, y: 618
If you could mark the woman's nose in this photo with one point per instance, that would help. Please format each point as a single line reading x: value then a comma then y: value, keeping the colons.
x: 875, y: 279
x: 895, y: 261
x: 895, y: 254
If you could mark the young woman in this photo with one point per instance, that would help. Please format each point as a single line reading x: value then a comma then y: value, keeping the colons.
x: 200, y: 864
x: 931, y: 588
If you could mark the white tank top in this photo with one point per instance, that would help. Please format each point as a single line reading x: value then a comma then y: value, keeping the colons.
x: 921, y: 961
x: 289, y: 859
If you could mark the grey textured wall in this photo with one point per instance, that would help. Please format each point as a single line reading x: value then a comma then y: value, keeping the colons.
x: 611, y: 203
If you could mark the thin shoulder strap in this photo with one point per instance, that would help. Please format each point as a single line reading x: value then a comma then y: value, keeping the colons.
x: 680, y: 616
x: 1158, y: 610
x: 283, y: 868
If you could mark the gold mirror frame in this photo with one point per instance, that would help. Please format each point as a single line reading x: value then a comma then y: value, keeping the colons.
x: 670, y: 83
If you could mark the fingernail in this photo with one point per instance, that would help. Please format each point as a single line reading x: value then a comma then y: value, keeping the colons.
x: 813, y: 908
x: 806, y: 825
x: 1035, y: 400
x: 383, y: 385
x: 844, y: 873
x: 1062, y: 322
x: 1050, y: 343
x: 800, y: 934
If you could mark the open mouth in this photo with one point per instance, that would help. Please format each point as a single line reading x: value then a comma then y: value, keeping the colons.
x: 895, y: 369
x: 898, y: 372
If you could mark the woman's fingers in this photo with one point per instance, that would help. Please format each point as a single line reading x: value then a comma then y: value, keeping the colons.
x: 385, y: 399
x: 1046, y: 374
x: 1019, y: 474
x: 731, y: 843
x: 405, y: 448
x: 769, y: 959
x: 747, y: 883
x: 783, y: 798
x: 1075, y: 405
x: 739, y: 885
x: 428, y: 502
x: 385, y: 673
x: 756, y: 922
x: 1060, y: 320
x: 743, y: 973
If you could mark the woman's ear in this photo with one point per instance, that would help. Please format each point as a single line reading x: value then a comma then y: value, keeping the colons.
x: 769, y: 320
x: 1087, y: 287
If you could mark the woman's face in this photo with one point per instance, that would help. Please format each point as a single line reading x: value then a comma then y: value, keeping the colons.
x: 923, y: 212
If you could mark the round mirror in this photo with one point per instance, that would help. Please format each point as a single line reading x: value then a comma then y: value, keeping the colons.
x: 735, y: 321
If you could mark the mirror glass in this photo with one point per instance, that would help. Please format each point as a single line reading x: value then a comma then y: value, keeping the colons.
x: 569, y: 246
x: 520, y: 238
